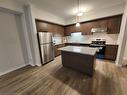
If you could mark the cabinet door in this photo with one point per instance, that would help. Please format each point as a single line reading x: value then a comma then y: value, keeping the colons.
x: 103, y: 23
x: 54, y: 30
x: 86, y: 28
x: 66, y: 31
x: 69, y: 30
x: 79, y: 28
x: 57, y: 30
x: 60, y: 31
x: 42, y: 26
x: 56, y: 51
x: 111, y: 52
x: 72, y: 28
x: 50, y: 27
x: 95, y: 24
x: 114, y: 24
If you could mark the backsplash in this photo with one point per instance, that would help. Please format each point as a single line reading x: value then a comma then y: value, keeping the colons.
x: 59, y: 40
x: 110, y: 38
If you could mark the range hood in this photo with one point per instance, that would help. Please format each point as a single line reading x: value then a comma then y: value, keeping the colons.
x: 76, y: 34
x: 99, y: 30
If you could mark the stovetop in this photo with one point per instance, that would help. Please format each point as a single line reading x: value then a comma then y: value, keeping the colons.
x: 98, y: 43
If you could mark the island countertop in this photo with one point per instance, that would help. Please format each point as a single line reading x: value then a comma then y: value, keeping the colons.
x: 79, y: 49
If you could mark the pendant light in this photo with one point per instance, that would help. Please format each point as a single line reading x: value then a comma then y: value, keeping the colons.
x: 78, y: 14
x: 77, y: 21
x: 77, y: 24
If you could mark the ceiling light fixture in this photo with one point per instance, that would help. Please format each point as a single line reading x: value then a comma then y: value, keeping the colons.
x: 78, y: 15
x: 77, y: 21
x: 77, y: 24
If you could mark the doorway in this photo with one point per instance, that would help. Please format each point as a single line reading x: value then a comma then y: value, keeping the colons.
x: 13, y: 50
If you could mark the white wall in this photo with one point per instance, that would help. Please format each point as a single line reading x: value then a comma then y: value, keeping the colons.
x: 122, y: 39
x: 15, y: 7
x: 29, y: 35
x: 11, y: 55
x: 95, y: 14
x: 125, y: 53
x: 33, y: 13
x: 11, y: 5
x: 39, y: 13
x: 32, y: 31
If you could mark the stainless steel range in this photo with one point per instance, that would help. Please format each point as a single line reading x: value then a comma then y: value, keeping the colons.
x: 100, y: 44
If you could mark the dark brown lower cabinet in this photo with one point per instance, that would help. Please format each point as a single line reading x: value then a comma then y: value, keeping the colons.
x: 111, y: 52
x: 56, y: 51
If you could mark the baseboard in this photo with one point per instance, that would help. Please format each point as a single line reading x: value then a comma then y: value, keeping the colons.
x: 38, y: 65
x: 31, y: 63
x: 119, y: 65
x: 3, y: 73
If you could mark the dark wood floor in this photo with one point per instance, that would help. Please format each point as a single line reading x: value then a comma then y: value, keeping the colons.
x: 53, y: 79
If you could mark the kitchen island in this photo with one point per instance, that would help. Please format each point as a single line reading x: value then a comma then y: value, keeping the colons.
x: 79, y: 58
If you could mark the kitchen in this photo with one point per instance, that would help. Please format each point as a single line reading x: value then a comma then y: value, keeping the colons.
x: 66, y: 51
x: 82, y: 35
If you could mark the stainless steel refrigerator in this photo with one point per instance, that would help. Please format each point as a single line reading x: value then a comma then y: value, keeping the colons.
x: 46, y: 47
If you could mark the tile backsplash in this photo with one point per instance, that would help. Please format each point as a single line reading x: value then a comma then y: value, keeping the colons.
x: 110, y: 38
x: 59, y: 40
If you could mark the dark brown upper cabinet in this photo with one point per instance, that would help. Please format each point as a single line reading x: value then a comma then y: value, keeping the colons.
x: 103, y: 23
x: 86, y: 28
x: 69, y: 29
x: 57, y: 30
x: 114, y: 24
x: 111, y: 23
x: 78, y: 29
x: 42, y: 26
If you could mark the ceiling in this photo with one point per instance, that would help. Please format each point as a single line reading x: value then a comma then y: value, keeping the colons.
x: 67, y: 8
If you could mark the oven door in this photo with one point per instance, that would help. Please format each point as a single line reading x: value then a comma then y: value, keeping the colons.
x: 100, y: 52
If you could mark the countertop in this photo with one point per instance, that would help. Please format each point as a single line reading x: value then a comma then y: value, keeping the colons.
x: 90, y: 43
x: 84, y: 43
x: 78, y: 43
x: 81, y: 50
x: 59, y: 44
